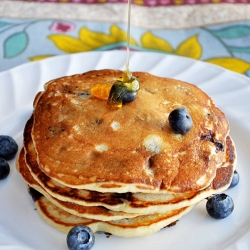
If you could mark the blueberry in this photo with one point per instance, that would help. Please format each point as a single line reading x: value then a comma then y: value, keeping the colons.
x: 8, y: 147
x: 180, y: 121
x: 129, y: 97
x: 220, y: 206
x: 235, y: 180
x: 80, y: 238
x: 4, y: 169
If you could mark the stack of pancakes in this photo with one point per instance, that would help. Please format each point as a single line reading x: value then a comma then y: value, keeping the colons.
x: 123, y: 171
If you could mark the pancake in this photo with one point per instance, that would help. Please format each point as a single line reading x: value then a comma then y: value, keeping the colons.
x: 137, y: 203
x: 123, y: 171
x: 133, y: 227
x: 82, y: 144
x: 96, y: 212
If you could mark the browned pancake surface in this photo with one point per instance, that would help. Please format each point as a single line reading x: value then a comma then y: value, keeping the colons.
x: 81, y: 143
x: 128, y: 202
x: 92, y: 212
x: 139, y: 226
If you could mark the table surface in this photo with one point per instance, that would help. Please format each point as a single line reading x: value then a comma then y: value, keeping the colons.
x: 214, y: 31
x: 217, y: 32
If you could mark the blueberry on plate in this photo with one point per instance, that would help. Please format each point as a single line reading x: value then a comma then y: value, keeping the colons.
x: 235, y: 180
x: 8, y: 147
x: 80, y: 238
x: 4, y: 169
x: 180, y: 121
x: 220, y: 206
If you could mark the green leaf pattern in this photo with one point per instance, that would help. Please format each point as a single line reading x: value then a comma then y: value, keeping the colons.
x: 3, y: 24
x: 234, y: 31
x: 15, y: 44
x: 240, y: 49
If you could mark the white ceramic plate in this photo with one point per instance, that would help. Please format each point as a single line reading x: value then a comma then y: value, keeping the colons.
x: 21, y: 226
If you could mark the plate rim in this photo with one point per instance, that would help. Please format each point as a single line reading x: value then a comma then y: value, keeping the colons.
x: 10, y: 71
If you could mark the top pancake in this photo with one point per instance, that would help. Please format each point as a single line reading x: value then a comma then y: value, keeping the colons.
x: 81, y: 143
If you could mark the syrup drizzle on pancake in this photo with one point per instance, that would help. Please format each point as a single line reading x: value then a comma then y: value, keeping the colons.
x: 126, y: 84
x: 127, y: 74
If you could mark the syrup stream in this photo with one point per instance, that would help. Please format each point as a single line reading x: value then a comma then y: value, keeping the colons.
x: 127, y: 85
x: 126, y: 74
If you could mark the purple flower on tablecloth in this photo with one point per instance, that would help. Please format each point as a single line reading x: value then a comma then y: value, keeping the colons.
x: 191, y: 1
x: 150, y: 2
x: 165, y: 2
x: 62, y: 27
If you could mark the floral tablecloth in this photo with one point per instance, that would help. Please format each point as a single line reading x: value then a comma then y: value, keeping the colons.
x: 217, y: 34
x: 145, y: 2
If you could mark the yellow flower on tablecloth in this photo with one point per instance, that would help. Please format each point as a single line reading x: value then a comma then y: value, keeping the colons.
x: 89, y: 40
x: 190, y: 48
x: 177, y: 2
x: 139, y: 2
x: 37, y: 58
x: 234, y: 64
x: 67, y: 43
x: 97, y: 39
x: 150, y: 41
